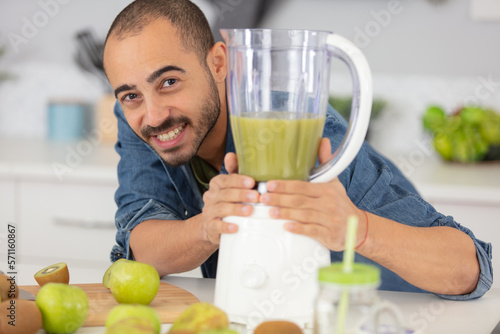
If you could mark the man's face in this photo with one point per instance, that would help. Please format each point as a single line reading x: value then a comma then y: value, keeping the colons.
x: 169, y: 99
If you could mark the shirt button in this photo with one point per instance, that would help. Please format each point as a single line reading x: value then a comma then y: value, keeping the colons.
x: 186, y: 213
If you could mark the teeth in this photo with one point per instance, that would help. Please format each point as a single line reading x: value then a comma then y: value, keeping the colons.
x: 171, y: 134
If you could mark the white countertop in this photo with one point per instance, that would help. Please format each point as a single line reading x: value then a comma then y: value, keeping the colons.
x: 424, y: 312
x: 455, y: 182
x: 82, y: 160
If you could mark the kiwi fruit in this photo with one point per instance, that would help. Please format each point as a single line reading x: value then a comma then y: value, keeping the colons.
x: 56, y: 273
x: 278, y: 327
x: 107, y: 274
x: 8, y: 288
x: 19, y: 316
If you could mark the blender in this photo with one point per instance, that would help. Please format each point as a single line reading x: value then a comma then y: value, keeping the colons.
x: 277, y: 88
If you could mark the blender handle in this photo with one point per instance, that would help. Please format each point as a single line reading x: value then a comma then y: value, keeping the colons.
x: 346, y: 51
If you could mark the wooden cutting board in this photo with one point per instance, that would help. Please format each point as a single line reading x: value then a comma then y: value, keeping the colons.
x: 169, y: 302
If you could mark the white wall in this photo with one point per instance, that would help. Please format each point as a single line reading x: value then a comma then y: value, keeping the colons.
x: 39, y: 36
x: 403, y: 36
x: 55, y: 22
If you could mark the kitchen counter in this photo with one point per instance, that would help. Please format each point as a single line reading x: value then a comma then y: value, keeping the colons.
x: 80, y: 161
x: 90, y: 158
x: 450, y: 181
x: 425, y: 312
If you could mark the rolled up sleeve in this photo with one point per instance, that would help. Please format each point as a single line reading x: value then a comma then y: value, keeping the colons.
x: 375, y: 184
x: 484, y: 255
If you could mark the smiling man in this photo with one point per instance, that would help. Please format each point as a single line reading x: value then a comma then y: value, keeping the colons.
x: 178, y: 175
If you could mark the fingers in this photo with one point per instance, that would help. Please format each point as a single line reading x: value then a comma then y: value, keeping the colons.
x: 330, y: 238
x: 306, y: 216
x: 231, y: 181
x: 325, y: 150
x: 228, y: 195
x: 303, y: 188
x: 229, y: 190
x: 316, y: 210
x: 224, y: 209
x: 217, y: 227
x: 231, y: 195
x: 231, y: 163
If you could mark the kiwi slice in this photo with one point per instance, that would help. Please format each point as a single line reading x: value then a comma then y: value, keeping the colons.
x: 8, y: 288
x: 107, y: 274
x: 56, y: 273
x: 28, y: 317
x: 278, y: 327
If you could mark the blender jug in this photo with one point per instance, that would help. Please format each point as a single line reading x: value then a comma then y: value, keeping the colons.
x: 277, y: 90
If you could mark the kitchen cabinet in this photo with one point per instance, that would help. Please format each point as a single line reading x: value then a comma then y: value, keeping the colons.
x: 72, y: 223
x: 74, y: 220
x: 7, y: 193
x: 60, y: 197
x: 59, y: 217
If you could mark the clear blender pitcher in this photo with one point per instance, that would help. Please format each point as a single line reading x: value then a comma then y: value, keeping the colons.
x: 277, y: 88
x: 277, y: 91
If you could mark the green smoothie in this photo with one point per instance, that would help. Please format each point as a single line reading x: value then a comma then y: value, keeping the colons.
x: 276, y: 145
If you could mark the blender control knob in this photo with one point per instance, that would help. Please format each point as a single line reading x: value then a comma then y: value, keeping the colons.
x: 253, y: 277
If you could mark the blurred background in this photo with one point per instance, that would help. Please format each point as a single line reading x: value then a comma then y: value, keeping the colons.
x: 57, y: 130
x: 420, y: 52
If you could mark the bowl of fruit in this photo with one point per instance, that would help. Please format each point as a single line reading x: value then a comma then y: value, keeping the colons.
x: 470, y: 134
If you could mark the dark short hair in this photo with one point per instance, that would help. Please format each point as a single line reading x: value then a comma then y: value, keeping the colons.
x: 189, y: 21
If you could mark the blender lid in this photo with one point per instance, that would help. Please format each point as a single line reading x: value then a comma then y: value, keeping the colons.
x: 361, y: 274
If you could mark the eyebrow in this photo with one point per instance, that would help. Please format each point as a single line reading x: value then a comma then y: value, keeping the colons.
x: 123, y: 88
x: 155, y: 75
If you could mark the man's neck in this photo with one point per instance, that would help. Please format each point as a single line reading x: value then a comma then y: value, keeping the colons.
x: 213, y: 148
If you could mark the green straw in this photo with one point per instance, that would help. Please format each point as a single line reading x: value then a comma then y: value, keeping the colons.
x: 350, y: 241
x: 348, y: 260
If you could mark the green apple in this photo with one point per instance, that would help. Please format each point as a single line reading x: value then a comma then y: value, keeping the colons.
x: 107, y: 274
x: 434, y: 118
x: 134, y: 282
x: 219, y: 331
x: 64, y: 307
x: 125, y: 318
x: 134, y: 325
x: 199, y: 317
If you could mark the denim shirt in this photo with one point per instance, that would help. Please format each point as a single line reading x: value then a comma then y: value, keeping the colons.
x: 151, y: 190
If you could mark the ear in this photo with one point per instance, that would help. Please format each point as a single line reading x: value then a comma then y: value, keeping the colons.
x: 216, y: 61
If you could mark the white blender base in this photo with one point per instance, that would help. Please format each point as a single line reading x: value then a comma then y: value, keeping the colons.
x: 266, y: 273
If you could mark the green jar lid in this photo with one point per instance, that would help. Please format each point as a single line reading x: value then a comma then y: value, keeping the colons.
x: 361, y: 274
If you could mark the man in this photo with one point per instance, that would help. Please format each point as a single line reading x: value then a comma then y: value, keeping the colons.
x: 178, y: 176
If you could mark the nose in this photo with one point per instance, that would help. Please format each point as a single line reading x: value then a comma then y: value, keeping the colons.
x: 156, y: 111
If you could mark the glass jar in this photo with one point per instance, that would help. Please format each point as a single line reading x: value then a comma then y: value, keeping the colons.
x: 348, y: 303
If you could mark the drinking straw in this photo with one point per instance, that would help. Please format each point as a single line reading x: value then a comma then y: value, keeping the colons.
x: 347, y: 261
x: 350, y: 240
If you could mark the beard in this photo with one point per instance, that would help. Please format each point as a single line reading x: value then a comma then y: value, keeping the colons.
x: 208, y: 116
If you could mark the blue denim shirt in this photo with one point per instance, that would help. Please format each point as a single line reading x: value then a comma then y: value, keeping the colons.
x: 149, y: 189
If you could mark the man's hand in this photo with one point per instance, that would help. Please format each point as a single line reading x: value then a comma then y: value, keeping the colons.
x: 319, y: 210
x: 227, y: 196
